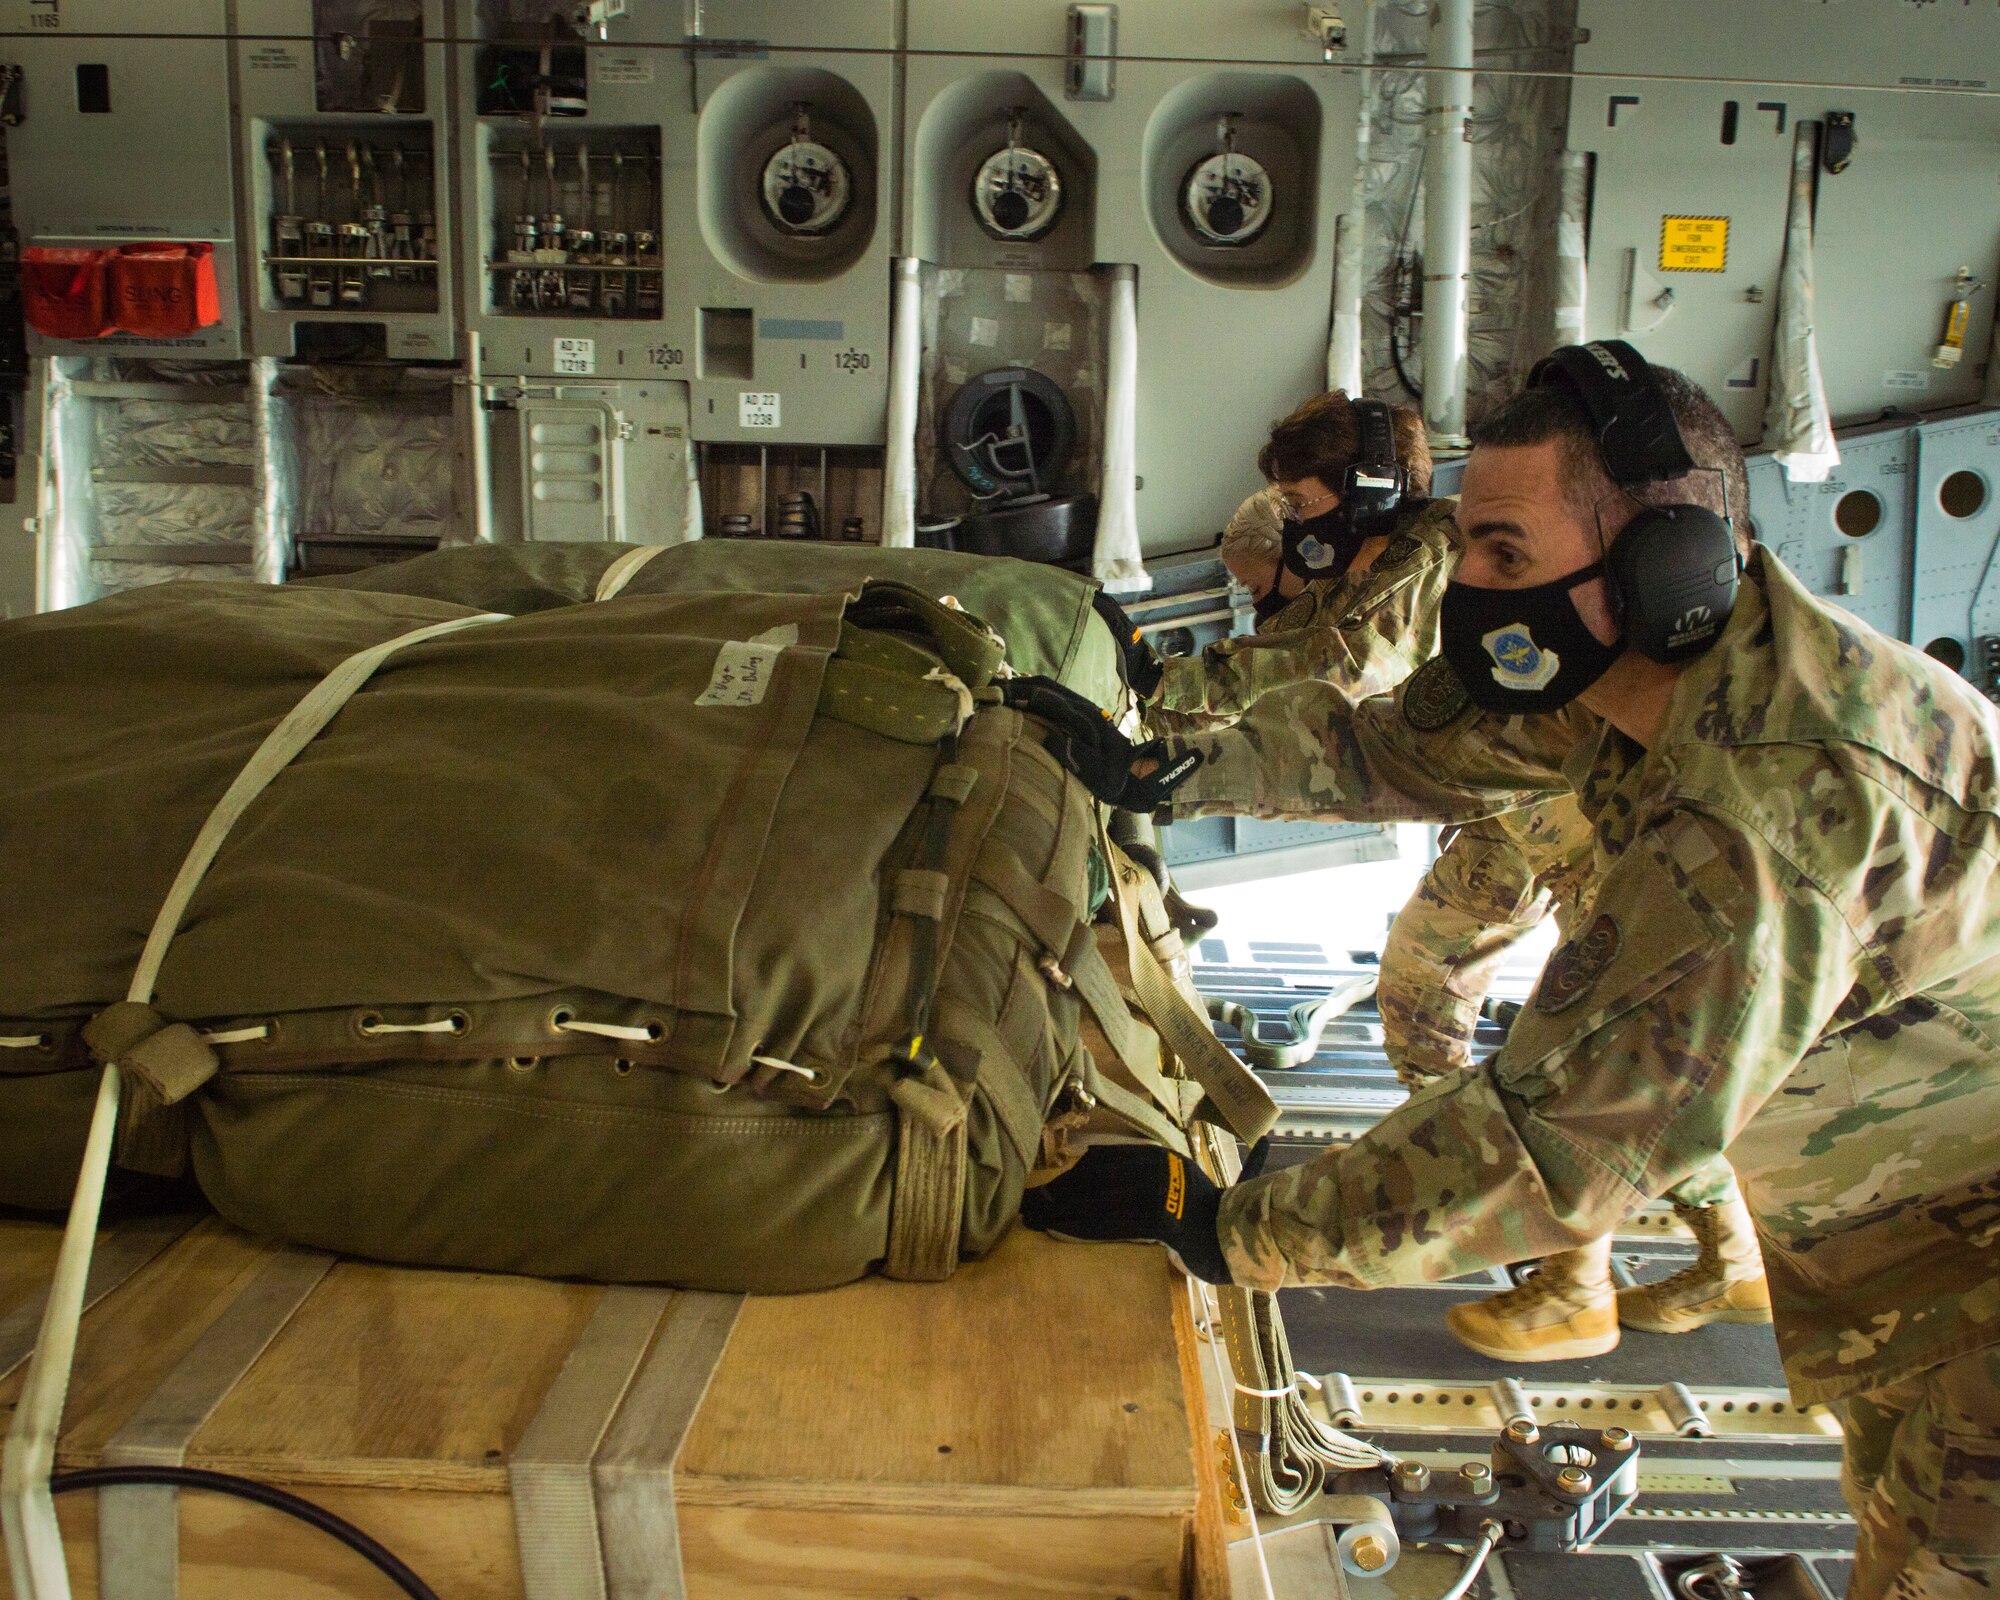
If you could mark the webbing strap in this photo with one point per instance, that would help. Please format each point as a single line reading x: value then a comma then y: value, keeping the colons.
x: 27, y: 1512
x: 138, y: 1525
x: 125, y: 1248
x: 634, y: 1469
x: 1100, y: 992
x: 555, y: 1499
x: 1244, y: 1102
x: 998, y: 1073
x: 926, y: 1213
x: 1127, y: 1106
x: 1049, y: 917
x: 624, y: 570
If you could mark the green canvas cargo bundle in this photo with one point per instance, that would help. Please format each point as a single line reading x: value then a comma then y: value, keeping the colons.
x: 1042, y: 612
x: 709, y: 936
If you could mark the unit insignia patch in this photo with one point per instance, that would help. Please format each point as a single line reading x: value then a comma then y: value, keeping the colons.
x: 1577, y: 965
x: 1433, y: 696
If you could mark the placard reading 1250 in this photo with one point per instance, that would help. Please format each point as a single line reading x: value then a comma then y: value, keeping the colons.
x: 756, y: 410
x: 1694, y: 244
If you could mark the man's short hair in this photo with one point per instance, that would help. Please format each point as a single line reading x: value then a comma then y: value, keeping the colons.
x: 1322, y: 439
x: 1536, y: 416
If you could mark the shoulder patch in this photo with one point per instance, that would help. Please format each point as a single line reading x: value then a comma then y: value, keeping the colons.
x: 1399, y: 549
x: 1433, y: 696
x: 1577, y: 965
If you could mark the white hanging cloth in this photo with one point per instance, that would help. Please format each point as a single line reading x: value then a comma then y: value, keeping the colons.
x: 1572, y: 272
x: 692, y: 526
x: 899, y: 464
x: 1116, y: 562
x: 1798, y: 429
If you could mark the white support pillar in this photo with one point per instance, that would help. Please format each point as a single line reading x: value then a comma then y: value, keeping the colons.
x: 1343, y: 353
x: 1447, y: 220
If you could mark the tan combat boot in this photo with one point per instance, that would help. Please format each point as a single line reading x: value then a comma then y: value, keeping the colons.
x: 1724, y: 1283
x: 1566, y: 1311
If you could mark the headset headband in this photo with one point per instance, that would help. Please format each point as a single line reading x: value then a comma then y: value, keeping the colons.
x: 1636, y: 432
x: 1378, y: 436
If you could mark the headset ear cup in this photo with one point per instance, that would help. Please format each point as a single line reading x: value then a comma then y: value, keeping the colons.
x: 1673, y: 579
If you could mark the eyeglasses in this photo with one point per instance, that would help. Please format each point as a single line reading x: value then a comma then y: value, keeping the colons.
x: 1293, y: 509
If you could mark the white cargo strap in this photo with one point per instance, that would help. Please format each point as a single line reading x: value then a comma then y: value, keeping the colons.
x: 592, y: 1478
x: 624, y: 569
x: 1244, y: 1102
x: 138, y: 1525
x: 27, y: 1511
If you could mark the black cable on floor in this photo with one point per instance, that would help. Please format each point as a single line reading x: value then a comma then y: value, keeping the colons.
x: 376, y: 1555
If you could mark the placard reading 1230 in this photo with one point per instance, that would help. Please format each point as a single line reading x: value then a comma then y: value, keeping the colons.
x: 756, y: 410
x: 1694, y: 244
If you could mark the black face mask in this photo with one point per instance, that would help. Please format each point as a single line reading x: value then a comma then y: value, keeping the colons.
x: 1519, y: 650
x: 1322, y: 547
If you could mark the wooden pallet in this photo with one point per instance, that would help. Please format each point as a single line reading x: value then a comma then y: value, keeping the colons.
x: 1026, y: 1429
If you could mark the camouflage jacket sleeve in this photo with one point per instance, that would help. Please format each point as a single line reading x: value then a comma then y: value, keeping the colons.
x: 1364, y: 637
x: 1699, y: 978
x: 1309, y: 753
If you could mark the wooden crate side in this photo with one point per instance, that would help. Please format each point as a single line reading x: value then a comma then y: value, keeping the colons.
x: 132, y: 1338
x: 1043, y: 1378
x: 753, y: 1554
x: 1207, y: 1568
x: 460, y: 1544
x: 398, y: 1377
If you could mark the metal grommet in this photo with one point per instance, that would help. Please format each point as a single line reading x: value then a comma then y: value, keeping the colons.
x: 523, y: 1063
x: 622, y: 1067
x: 561, y: 1016
x: 655, y: 1032
x: 719, y: 1088
x: 369, y: 1024
x: 459, y: 1022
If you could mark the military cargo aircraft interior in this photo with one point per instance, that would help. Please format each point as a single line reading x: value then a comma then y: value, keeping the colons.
x: 900, y: 800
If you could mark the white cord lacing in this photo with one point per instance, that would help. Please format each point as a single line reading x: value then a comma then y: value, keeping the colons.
x: 371, y: 1026
x: 237, y: 1035
x: 35, y: 1041
x: 810, y: 1074
x: 649, y: 1034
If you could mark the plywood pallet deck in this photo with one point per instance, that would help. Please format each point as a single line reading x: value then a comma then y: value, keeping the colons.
x: 1027, y: 1429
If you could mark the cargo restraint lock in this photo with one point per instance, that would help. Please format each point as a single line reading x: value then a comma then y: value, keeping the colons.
x: 1544, y: 1491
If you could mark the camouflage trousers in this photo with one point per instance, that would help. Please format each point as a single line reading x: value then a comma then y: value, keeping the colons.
x: 1921, y: 1473
x: 1492, y: 885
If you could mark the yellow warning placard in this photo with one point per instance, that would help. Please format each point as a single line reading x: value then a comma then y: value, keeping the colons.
x: 1694, y: 244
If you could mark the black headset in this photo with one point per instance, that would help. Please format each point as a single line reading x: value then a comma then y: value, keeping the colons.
x: 1372, y: 487
x: 1672, y: 570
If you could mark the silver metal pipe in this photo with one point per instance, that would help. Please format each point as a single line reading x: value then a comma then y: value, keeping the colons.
x: 1447, y: 221
x: 1511, y: 1401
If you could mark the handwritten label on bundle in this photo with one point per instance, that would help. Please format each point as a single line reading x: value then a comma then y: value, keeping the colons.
x: 744, y: 667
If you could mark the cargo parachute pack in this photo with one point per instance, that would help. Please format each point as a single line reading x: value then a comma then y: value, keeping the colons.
x: 689, y: 915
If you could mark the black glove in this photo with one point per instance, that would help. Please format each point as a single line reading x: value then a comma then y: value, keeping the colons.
x: 1125, y: 1192
x: 1083, y: 738
x: 1140, y: 663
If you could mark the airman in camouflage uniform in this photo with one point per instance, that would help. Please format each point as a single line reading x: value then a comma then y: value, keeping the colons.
x: 1360, y: 635
x: 1793, y: 954
x: 1363, y: 632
